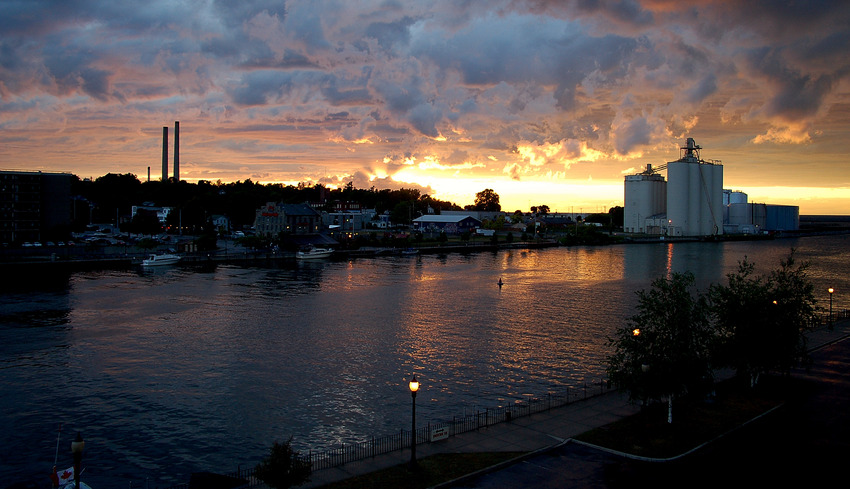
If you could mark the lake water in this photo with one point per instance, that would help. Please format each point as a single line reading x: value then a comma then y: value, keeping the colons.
x: 179, y: 370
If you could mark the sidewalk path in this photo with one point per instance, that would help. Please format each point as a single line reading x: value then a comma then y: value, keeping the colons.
x: 526, y: 434
x: 559, y: 464
x: 805, y: 444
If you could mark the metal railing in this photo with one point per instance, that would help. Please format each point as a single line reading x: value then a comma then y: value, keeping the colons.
x: 352, y: 452
x: 482, y: 418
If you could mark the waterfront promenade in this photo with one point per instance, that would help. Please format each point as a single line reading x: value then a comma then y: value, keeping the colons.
x: 804, y: 441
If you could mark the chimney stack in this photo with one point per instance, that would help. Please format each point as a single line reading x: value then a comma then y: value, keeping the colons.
x: 165, y: 154
x: 176, y: 151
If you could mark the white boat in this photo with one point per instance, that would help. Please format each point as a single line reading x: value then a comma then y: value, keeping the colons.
x: 164, y: 259
x: 314, y: 254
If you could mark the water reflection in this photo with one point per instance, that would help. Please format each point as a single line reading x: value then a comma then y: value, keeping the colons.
x: 161, y: 370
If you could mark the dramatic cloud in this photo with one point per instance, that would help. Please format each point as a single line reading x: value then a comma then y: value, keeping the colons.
x: 442, y: 96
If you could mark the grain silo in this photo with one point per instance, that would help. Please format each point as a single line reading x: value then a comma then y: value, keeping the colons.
x: 694, y: 194
x: 646, y: 196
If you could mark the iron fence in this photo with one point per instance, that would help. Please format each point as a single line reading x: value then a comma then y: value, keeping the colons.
x: 482, y: 418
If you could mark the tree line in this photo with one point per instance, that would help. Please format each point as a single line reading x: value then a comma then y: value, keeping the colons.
x: 105, y: 198
x: 679, y: 337
x: 102, y: 199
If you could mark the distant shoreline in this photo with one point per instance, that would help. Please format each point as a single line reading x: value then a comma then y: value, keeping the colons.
x: 20, y: 262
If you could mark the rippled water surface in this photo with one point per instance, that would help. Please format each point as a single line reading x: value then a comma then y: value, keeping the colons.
x: 179, y: 370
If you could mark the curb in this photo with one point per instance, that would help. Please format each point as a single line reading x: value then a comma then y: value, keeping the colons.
x: 498, y: 466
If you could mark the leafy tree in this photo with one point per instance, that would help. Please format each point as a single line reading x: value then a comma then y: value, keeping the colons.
x: 401, y: 213
x: 145, y: 222
x: 517, y: 217
x: 793, y: 296
x: 252, y: 242
x: 147, y: 244
x: 760, y: 320
x: 664, y: 350
x: 617, y: 212
x: 495, y: 224
x: 743, y: 310
x: 283, y: 467
x: 487, y: 200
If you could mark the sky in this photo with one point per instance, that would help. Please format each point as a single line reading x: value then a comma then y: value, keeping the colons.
x: 545, y: 102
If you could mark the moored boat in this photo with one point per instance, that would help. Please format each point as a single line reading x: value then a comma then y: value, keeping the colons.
x: 163, y: 259
x: 314, y: 254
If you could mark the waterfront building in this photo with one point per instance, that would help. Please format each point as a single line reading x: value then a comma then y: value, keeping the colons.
x: 450, y: 224
x: 34, y: 206
x: 296, y: 219
x: 160, y: 212
x: 221, y: 223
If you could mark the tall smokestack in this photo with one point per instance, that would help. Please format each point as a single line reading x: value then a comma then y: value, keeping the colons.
x: 165, y: 154
x: 176, y: 151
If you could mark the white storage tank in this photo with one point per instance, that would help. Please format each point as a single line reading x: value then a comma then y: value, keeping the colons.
x: 740, y: 214
x: 645, y: 196
x: 734, y: 197
x: 694, y: 194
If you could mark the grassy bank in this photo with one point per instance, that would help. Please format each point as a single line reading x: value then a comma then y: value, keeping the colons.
x: 695, y: 421
x: 431, y: 470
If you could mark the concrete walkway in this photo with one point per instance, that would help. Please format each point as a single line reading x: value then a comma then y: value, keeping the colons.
x: 526, y: 434
x: 540, y: 432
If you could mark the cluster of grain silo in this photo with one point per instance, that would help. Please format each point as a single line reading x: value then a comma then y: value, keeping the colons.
x: 688, y: 203
x: 692, y: 202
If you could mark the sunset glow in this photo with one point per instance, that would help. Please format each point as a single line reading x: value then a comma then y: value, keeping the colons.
x: 544, y: 102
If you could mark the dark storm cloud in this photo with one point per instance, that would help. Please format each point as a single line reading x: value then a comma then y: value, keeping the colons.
x: 390, y: 34
x: 796, y: 95
x: 622, y: 76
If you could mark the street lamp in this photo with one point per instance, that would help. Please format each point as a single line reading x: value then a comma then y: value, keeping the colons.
x: 414, y: 386
x: 77, y: 447
x: 830, y: 290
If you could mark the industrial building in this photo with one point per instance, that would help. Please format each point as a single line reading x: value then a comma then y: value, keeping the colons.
x: 692, y: 202
x: 743, y: 217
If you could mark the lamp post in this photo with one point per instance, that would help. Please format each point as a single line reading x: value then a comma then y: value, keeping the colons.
x: 830, y: 290
x: 77, y: 447
x: 414, y: 386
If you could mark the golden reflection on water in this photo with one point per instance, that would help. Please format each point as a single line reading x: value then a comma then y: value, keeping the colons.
x: 324, y: 351
x: 460, y: 321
